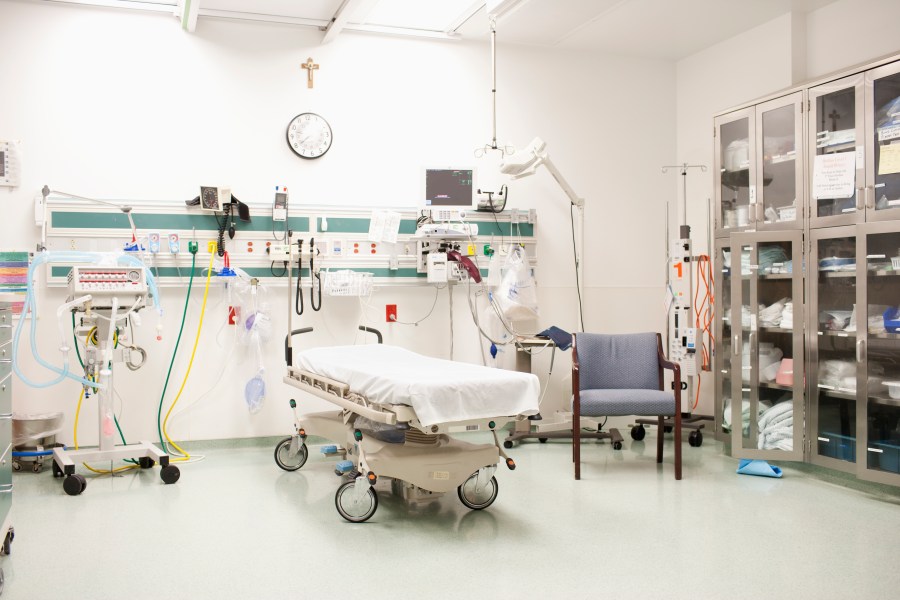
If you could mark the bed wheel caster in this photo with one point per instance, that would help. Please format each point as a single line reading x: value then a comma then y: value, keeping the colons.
x: 146, y: 462
x: 638, y: 432
x: 357, y: 435
x: 474, y: 500
x: 507, y: 444
x: 695, y: 439
x: 285, y: 460
x: 74, y: 484
x: 353, y: 509
x: 510, y: 464
x: 169, y: 474
x: 7, y: 542
x: 617, y: 445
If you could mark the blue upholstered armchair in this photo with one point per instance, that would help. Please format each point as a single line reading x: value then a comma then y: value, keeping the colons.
x: 618, y: 375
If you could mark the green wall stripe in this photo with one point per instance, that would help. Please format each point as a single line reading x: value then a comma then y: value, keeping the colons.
x: 200, y: 272
x: 207, y: 222
x: 200, y: 222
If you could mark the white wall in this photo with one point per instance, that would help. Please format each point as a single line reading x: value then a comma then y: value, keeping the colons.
x: 119, y: 104
x: 761, y: 61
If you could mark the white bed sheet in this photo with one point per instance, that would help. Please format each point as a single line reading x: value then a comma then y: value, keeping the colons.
x: 440, y: 391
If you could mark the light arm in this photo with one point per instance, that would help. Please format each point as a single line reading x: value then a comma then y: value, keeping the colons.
x: 526, y: 162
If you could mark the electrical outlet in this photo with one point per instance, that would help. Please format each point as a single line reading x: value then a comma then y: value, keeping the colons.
x: 390, y: 313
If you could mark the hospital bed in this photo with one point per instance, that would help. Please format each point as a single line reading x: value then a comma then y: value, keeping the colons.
x: 395, y: 409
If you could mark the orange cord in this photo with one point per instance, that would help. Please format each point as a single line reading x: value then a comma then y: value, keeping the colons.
x: 704, y: 311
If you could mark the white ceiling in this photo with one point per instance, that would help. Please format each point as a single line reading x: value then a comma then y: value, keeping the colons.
x: 662, y: 29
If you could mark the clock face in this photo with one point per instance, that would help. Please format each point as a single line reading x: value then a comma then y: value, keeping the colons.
x: 309, y: 135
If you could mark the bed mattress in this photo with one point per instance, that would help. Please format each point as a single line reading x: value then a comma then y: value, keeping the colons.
x: 440, y: 391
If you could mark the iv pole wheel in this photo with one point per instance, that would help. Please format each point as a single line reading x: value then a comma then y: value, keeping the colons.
x: 638, y: 432
x: 74, y: 484
x: 7, y: 542
x: 617, y: 445
x: 468, y: 496
x: 543, y: 440
x: 507, y: 444
x: 169, y: 474
x: 695, y: 439
x: 146, y: 462
x: 285, y: 460
x: 355, y: 511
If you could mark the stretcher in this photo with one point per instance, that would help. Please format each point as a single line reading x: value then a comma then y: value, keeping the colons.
x: 395, y: 411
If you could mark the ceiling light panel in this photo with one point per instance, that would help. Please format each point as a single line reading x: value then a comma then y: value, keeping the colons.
x: 320, y: 10
x: 417, y: 14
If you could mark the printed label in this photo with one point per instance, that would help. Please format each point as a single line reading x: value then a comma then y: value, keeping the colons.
x: 440, y: 475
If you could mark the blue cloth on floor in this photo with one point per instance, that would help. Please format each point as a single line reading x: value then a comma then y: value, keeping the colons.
x: 758, y: 467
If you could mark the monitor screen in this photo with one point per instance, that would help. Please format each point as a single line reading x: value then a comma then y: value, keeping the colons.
x: 449, y: 188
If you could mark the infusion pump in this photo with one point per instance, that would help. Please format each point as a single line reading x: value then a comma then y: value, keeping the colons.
x: 104, y: 283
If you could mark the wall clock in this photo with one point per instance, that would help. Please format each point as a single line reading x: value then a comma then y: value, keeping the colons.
x: 309, y: 135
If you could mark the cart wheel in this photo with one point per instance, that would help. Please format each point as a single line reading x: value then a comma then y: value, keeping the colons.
x: 37, y: 467
x: 477, y: 501
x: 17, y: 466
x: 169, y: 474
x: 146, y: 462
x: 355, y: 511
x: 638, y: 432
x: 2, y: 581
x: 74, y: 484
x: 543, y: 440
x: 57, y: 472
x: 507, y: 444
x: 667, y: 429
x: 695, y: 439
x: 617, y: 445
x: 287, y: 461
x: 7, y: 543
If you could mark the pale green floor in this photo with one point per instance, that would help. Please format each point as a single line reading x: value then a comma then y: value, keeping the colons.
x: 236, y: 526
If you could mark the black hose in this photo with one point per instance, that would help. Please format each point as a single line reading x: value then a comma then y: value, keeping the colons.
x: 315, y: 278
x: 298, y: 301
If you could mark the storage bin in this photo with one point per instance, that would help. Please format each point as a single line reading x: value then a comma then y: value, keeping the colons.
x: 889, y: 458
x: 841, y: 447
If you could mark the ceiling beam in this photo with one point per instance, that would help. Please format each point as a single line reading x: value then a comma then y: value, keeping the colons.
x: 466, y: 15
x: 190, y: 9
x: 340, y: 19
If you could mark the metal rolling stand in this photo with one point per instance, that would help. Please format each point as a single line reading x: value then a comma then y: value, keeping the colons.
x: 561, y: 426
x: 6, y: 532
x: 96, y: 291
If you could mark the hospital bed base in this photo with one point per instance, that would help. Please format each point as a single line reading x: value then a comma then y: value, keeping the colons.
x: 690, y: 422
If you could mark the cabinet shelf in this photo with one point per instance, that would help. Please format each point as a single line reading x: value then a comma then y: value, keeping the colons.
x: 776, y: 386
x: 837, y: 274
x: 837, y: 333
x: 885, y: 335
x: 775, y: 329
x: 885, y: 401
x: 837, y: 392
x: 884, y: 273
x: 735, y: 180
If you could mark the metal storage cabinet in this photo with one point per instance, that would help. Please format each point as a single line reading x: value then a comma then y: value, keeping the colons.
x: 882, y: 97
x: 767, y: 404
x: 722, y: 348
x: 780, y: 164
x: 6, y: 533
x: 735, y: 171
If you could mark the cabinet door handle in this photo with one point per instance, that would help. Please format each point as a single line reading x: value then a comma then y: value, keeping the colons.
x: 760, y: 212
x: 870, y: 202
x: 735, y: 345
x: 860, y: 350
x: 860, y: 198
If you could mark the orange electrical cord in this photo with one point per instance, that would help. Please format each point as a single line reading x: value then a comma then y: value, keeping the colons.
x: 704, y: 311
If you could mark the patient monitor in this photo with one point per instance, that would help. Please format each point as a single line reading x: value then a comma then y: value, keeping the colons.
x: 448, y: 192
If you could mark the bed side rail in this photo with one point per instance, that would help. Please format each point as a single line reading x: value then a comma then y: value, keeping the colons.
x: 335, y: 392
x: 372, y: 330
x: 288, y: 349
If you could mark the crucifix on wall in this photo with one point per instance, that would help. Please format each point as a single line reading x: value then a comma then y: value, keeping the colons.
x: 310, y: 66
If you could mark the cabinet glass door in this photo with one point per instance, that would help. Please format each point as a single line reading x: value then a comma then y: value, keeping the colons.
x: 779, y: 154
x: 882, y: 194
x: 836, y: 141
x: 735, y: 173
x: 771, y: 344
x: 878, y: 417
x: 723, y: 347
x: 833, y: 326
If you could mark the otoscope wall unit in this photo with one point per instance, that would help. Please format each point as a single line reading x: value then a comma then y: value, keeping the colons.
x: 263, y: 248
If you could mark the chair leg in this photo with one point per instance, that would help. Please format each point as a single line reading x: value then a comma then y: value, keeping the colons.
x: 576, y: 440
x: 660, y: 434
x: 678, y: 443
